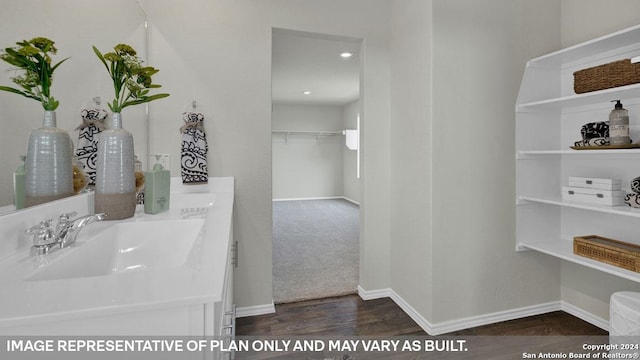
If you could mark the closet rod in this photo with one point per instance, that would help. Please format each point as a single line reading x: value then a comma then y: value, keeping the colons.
x: 314, y: 133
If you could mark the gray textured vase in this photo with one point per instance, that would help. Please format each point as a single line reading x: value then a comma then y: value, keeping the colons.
x: 48, y: 166
x: 115, y: 193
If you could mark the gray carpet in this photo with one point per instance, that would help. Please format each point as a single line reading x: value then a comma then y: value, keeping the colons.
x: 315, y: 249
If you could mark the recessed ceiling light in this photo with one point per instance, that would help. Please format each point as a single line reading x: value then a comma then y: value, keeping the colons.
x: 307, y: 92
x: 346, y: 55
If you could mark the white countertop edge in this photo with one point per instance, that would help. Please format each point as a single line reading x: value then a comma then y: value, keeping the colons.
x: 218, y: 222
x: 89, y: 313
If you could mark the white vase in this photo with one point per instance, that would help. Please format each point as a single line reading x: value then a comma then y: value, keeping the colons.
x: 115, y: 192
x: 48, y: 165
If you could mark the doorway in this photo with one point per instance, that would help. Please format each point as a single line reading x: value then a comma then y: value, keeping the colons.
x: 315, y: 165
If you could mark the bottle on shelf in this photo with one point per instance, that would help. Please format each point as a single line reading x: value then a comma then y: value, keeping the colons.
x: 619, y: 125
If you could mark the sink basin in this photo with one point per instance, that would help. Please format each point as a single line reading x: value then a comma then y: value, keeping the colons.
x: 124, y: 248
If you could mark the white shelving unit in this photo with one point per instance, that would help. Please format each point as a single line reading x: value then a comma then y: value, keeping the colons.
x: 581, y: 99
x: 549, y: 115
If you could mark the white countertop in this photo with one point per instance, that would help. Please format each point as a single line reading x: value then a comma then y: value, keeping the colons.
x: 199, y: 281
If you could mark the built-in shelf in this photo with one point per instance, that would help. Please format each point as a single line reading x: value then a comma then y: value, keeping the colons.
x: 590, y: 98
x: 540, y: 169
x: 589, y: 48
x: 617, y: 210
x: 312, y: 133
x: 563, y: 249
x: 527, y: 154
x: 317, y: 133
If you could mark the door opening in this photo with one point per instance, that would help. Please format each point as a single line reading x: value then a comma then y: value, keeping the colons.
x: 315, y: 165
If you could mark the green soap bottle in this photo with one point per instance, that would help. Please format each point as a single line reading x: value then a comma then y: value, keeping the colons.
x: 156, y: 188
x: 19, y: 184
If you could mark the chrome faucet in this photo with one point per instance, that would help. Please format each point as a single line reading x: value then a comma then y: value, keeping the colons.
x: 46, y: 238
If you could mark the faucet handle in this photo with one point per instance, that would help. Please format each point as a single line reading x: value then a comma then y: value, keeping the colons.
x: 45, y: 224
x: 63, y: 222
x: 42, y: 233
x: 65, y: 217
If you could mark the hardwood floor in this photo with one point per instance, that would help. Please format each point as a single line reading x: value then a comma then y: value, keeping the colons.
x: 351, y: 316
x: 341, y: 316
x: 351, y: 319
x: 554, y: 323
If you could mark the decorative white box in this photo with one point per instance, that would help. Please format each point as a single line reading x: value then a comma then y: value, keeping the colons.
x: 593, y: 196
x: 595, y: 183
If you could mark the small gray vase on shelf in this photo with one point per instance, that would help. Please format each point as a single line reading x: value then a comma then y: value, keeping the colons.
x: 115, y: 192
x: 48, y: 165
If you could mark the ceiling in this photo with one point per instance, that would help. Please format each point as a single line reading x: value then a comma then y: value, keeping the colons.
x: 312, y: 62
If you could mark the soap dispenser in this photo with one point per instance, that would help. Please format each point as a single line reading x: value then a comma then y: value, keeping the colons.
x: 619, y: 125
x: 19, y: 184
x: 156, y: 188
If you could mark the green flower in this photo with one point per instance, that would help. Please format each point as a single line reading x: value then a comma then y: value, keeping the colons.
x: 131, y: 80
x: 44, y: 44
x: 112, y: 57
x: 32, y: 59
x: 124, y: 49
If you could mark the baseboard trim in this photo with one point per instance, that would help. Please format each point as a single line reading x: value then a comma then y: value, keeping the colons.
x: 474, y: 321
x: 453, y: 325
x: 319, y: 198
x: 351, y: 200
x: 373, y: 294
x: 499, y: 316
x: 584, y: 315
x: 255, y: 310
x: 310, y: 198
x: 409, y: 310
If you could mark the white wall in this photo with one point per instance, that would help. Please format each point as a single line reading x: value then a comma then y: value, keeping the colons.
x: 456, y: 67
x: 411, y: 153
x: 479, y: 52
x: 220, y: 54
x: 350, y: 181
x: 306, y: 166
x: 582, y: 20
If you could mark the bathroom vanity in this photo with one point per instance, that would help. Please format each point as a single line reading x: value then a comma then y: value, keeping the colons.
x: 169, y: 274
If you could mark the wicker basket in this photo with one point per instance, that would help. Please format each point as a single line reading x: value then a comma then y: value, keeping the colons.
x: 614, y: 252
x: 614, y: 74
